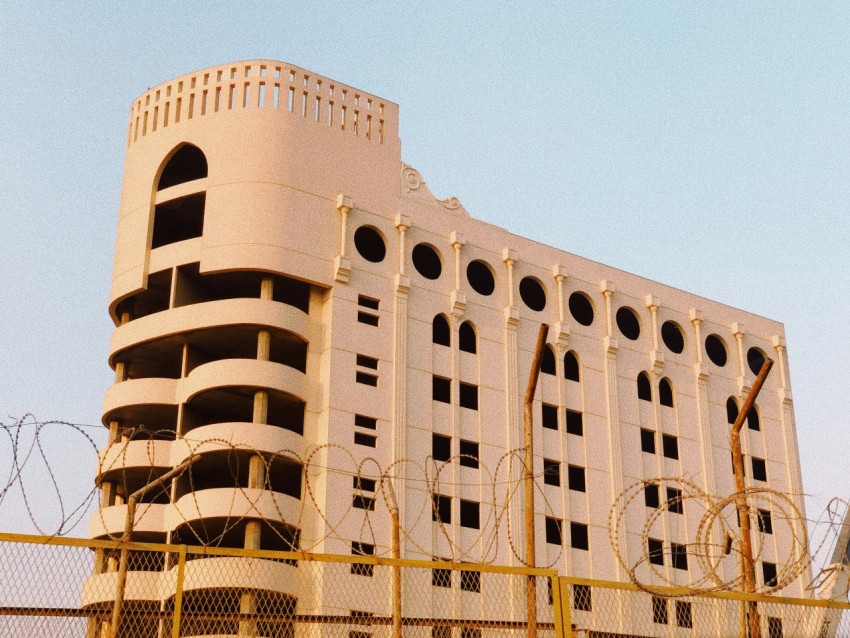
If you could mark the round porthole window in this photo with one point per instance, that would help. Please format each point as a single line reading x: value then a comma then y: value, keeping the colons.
x: 370, y: 244
x: 532, y: 293
x: 627, y: 322
x: 671, y: 335
x: 755, y: 359
x: 427, y: 261
x: 580, y: 308
x: 716, y: 350
x: 480, y: 277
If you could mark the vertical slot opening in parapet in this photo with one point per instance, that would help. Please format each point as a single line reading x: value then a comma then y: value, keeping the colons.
x: 178, y: 220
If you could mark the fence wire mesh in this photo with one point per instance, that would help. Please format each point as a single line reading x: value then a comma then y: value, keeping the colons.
x: 59, y: 588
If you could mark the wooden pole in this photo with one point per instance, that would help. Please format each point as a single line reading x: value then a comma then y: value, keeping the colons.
x: 747, y: 564
x: 528, y: 476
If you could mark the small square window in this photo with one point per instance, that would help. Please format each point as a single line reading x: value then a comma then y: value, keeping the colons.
x: 674, y: 500
x: 367, y: 485
x: 468, y: 454
x: 368, y: 440
x: 441, y: 389
x: 774, y: 627
x: 363, y: 502
x: 679, y: 556
x: 367, y: 362
x: 579, y: 537
x: 581, y: 598
x: 768, y: 571
x: 469, y: 396
x: 470, y: 514
x: 368, y: 302
x: 647, y: 441
x: 367, y: 318
x: 441, y: 577
x: 670, y: 446
x: 650, y: 495
x: 442, y: 509
x: 553, y: 531
x: 765, y: 522
x: 684, y: 614
x: 551, y: 472
x: 655, y: 549
x: 550, y: 416
x: 365, y: 422
x: 441, y: 447
x: 362, y: 549
x: 575, y: 478
x: 759, y: 469
x: 470, y: 581
x: 575, y: 423
x: 659, y: 611
x: 366, y: 379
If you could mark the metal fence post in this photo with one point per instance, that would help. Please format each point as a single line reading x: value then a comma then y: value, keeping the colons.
x: 562, y: 605
x: 178, y: 593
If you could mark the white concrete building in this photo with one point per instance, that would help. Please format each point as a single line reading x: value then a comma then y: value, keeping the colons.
x: 283, y: 280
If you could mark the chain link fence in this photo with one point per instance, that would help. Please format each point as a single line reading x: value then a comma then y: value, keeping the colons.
x: 57, y: 588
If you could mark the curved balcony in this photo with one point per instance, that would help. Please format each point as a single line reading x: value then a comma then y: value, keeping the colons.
x: 233, y: 503
x: 100, y: 588
x: 178, y: 253
x: 242, y: 372
x: 123, y: 457
x: 254, y: 436
x: 138, y: 392
x: 209, y: 314
x: 108, y: 522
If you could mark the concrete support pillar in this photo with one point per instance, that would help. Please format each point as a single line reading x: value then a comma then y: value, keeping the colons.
x: 253, y: 536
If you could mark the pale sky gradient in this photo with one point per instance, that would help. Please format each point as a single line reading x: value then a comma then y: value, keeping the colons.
x: 704, y: 145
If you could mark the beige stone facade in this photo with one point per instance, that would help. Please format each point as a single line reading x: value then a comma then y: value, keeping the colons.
x: 283, y: 281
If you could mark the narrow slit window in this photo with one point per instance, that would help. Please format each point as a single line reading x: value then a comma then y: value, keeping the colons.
x: 366, y: 379
x: 368, y: 440
x: 367, y: 362
x: 365, y: 422
x: 363, y: 502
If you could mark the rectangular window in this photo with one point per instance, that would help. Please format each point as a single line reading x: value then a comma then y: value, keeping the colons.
x: 367, y: 485
x: 674, y: 500
x: 367, y: 318
x: 575, y: 423
x: 366, y: 379
x: 470, y: 632
x: 359, y: 634
x: 765, y: 522
x: 679, y: 556
x: 650, y: 495
x: 470, y: 513
x: 655, y: 549
x: 441, y: 447
x: 550, y: 416
x: 768, y: 571
x: 659, y: 611
x: 647, y: 441
x: 469, y: 454
x: 575, y: 478
x: 362, y: 549
x: 469, y: 396
x: 551, y: 472
x: 684, y: 614
x: 581, y: 598
x: 579, y: 537
x: 369, y: 440
x: 759, y: 469
x: 553, y: 531
x: 365, y: 422
x: 441, y: 389
x: 367, y: 362
x: 363, y: 502
x: 470, y: 581
x: 670, y: 446
x: 441, y: 631
x: 441, y: 577
x: 774, y: 627
x: 442, y: 510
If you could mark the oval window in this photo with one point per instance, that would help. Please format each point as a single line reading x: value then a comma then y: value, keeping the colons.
x: 426, y: 261
x: 370, y: 244
x: 755, y: 359
x: 672, y: 336
x: 627, y: 322
x: 532, y: 293
x: 480, y: 277
x: 580, y: 308
x: 716, y: 350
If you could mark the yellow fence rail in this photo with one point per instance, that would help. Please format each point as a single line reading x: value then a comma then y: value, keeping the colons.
x: 61, y: 587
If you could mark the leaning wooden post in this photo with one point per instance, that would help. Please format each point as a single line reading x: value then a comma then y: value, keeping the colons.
x: 747, y: 563
x: 528, y: 476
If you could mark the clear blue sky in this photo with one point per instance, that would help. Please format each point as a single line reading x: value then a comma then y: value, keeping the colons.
x: 704, y: 145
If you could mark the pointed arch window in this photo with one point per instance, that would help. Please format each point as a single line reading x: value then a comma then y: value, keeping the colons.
x: 467, y: 339
x: 644, y: 387
x: 440, y: 332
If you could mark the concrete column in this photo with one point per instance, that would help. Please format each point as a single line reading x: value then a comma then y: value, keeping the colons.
x: 458, y: 299
x: 701, y: 378
x: 342, y: 265
x: 402, y: 292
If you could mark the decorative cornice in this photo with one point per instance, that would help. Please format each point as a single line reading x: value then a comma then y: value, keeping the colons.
x: 413, y: 184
